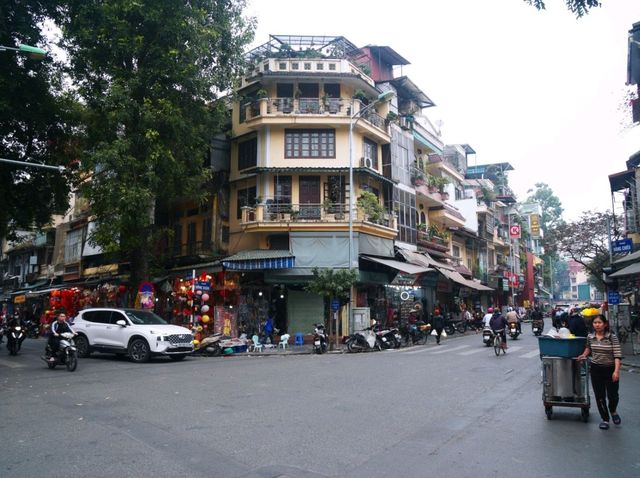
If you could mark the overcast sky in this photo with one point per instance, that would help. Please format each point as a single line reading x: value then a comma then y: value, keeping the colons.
x: 540, y: 90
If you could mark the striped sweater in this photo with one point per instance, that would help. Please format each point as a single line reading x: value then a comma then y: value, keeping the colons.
x: 605, y: 351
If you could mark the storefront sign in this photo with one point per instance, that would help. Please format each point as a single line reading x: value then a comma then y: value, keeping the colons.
x: 19, y: 299
x: 514, y: 231
x: 613, y: 297
x: 535, y: 225
x: 224, y: 321
x: 505, y: 284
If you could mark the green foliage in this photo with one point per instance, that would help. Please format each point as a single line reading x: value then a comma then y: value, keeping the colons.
x: 332, y: 282
x: 586, y: 241
x: 149, y: 72
x: 551, y: 205
x: 578, y: 7
x: 37, y: 122
x: 371, y: 207
x: 359, y: 95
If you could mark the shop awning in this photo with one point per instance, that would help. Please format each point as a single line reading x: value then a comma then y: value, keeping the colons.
x: 478, y: 286
x: 629, y: 257
x: 401, y: 266
x: 424, y: 259
x: 627, y: 271
x: 260, y: 259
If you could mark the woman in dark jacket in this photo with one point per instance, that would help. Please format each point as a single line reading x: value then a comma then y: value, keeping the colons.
x: 438, y: 323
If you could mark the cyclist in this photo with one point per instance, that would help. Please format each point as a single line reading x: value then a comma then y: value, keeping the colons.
x: 498, y: 325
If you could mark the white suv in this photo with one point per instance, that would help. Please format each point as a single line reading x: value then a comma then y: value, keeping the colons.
x: 133, y: 332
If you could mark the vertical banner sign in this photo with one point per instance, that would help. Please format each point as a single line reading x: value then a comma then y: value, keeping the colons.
x: 534, y: 221
x: 514, y: 231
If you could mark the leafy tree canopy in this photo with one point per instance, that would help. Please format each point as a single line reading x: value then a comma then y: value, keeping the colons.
x: 578, y: 7
x: 150, y: 73
x: 586, y: 241
x: 550, y: 203
x: 36, y: 122
x: 332, y: 282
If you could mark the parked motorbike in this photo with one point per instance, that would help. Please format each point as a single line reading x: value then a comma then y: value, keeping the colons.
x: 449, y: 325
x: 536, y: 327
x: 3, y: 330
x: 487, y: 336
x: 513, y: 330
x: 210, y: 346
x: 390, y: 338
x: 363, y: 340
x: 15, y: 337
x: 319, y: 339
x: 67, y: 353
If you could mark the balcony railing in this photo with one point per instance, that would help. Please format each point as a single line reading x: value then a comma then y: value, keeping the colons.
x: 204, y: 248
x: 339, y: 107
x: 309, y: 213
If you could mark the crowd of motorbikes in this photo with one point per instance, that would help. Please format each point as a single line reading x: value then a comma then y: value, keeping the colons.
x: 16, y: 331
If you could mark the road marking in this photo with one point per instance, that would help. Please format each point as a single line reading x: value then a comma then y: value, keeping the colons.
x: 447, y: 350
x: 513, y: 348
x: 533, y: 353
x: 474, y: 351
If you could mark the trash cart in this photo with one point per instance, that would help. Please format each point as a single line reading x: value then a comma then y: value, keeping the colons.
x: 565, y: 380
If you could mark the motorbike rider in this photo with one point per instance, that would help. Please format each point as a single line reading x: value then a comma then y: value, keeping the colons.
x: 498, y: 324
x: 59, y: 327
x: 487, y: 317
x: 512, y: 317
x: 577, y: 325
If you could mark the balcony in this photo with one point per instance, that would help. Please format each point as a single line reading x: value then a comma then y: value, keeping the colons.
x: 314, y: 217
x: 283, y: 111
x: 431, y: 242
x: 447, y: 215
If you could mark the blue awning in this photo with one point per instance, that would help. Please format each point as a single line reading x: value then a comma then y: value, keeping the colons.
x: 259, y: 260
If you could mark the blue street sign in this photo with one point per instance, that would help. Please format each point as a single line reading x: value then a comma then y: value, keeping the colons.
x: 613, y: 297
x: 335, y: 305
x: 623, y: 245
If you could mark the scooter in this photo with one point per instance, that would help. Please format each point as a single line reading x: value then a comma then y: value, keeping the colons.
x: 487, y: 336
x: 32, y: 329
x: 513, y: 330
x: 210, y: 346
x: 363, y: 340
x: 536, y: 327
x: 389, y: 338
x: 15, y: 337
x: 319, y: 339
x: 67, y: 353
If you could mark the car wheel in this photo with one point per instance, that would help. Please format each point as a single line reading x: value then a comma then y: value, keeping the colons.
x: 177, y: 358
x: 82, y: 346
x: 139, y: 351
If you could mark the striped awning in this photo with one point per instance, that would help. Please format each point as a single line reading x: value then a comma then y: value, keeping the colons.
x: 259, y: 260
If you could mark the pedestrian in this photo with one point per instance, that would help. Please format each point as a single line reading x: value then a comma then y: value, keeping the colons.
x: 606, y: 359
x: 268, y: 329
x: 576, y: 325
x: 438, y: 323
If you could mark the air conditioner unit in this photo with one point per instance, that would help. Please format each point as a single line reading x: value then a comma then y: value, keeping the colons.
x: 367, y: 162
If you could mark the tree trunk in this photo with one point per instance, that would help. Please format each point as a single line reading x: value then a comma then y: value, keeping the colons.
x: 139, y: 263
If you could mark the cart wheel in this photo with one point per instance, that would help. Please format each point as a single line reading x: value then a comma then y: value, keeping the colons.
x: 585, y: 415
x: 549, y: 412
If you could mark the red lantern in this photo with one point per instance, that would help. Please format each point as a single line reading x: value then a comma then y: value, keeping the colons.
x: 122, y: 289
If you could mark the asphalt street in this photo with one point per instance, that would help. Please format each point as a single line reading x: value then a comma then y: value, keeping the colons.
x: 453, y: 410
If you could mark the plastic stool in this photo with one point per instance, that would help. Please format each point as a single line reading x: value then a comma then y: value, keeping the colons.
x: 299, y: 338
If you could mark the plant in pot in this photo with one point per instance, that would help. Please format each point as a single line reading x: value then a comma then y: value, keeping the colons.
x: 262, y: 94
x: 391, y: 117
x: 360, y: 95
x: 417, y: 177
x: 432, y: 183
x: 373, y: 210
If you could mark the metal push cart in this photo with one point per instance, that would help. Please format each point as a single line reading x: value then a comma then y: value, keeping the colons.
x: 565, y: 380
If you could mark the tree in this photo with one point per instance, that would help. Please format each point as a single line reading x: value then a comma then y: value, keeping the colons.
x: 36, y: 122
x: 578, y: 7
x: 550, y: 204
x: 150, y: 73
x: 330, y: 284
x: 586, y: 241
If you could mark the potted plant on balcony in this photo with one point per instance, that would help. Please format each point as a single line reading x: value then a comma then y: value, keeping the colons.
x: 360, y: 95
x: 371, y: 207
x: 262, y: 94
x: 432, y: 183
x: 417, y: 177
x: 391, y: 118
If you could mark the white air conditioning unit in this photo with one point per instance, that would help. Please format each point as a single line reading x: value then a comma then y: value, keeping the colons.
x: 367, y: 162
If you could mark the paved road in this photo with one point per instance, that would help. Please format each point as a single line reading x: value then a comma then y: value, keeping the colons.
x: 453, y: 410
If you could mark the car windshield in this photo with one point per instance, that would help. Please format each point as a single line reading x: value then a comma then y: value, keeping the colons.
x: 143, y: 317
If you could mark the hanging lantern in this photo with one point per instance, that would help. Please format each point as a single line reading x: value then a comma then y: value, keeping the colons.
x: 196, y: 343
x: 205, y: 309
x: 205, y: 319
x: 199, y: 328
x: 205, y: 297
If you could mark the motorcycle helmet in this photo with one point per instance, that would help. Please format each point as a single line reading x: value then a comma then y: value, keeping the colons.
x: 490, y: 310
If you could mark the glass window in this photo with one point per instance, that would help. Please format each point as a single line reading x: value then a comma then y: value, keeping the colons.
x: 370, y: 150
x: 143, y: 317
x: 310, y: 143
x: 72, y: 246
x: 404, y: 203
x: 248, y: 154
x: 97, y: 316
x: 246, y: 197
x: 282, y: 189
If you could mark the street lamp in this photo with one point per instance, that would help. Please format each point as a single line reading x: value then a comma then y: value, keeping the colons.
x: 34, y: 53
x: 385, y: 96
x: 60, y: 169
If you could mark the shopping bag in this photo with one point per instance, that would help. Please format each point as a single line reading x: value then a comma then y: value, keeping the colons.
x: 433, y: 332
x: 444, y: 334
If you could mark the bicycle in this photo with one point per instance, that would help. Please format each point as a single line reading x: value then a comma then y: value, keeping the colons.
x: 498, y: 345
